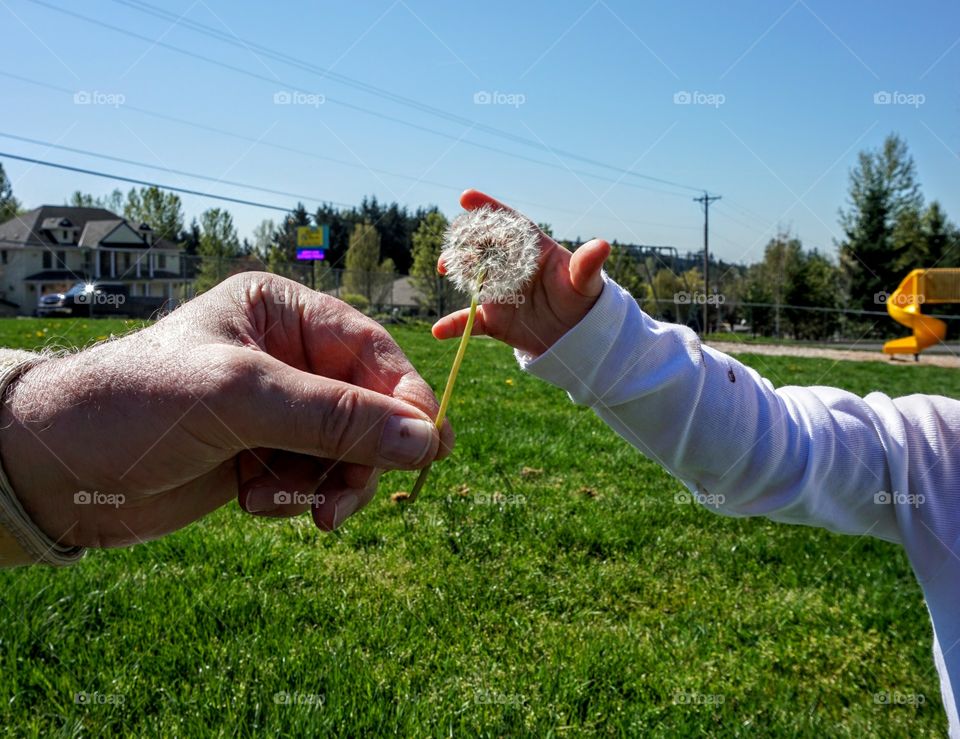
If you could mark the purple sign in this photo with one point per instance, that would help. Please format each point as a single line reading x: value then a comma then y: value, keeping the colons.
x: 310, y: 255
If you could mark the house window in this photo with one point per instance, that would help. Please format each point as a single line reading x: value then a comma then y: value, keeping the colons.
x: 62, y: 259
x: 66, y: 236
x: 47, y: 259
x: 126, y: 261
x: 161, y: 260
x: 3, y: 256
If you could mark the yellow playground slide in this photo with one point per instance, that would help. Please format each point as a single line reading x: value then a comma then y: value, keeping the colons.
x: 921, y: 286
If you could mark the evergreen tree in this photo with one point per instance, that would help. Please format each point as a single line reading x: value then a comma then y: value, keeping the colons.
x: 883, y: 193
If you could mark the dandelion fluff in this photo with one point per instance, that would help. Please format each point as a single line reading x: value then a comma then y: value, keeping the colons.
x: 492, y: 246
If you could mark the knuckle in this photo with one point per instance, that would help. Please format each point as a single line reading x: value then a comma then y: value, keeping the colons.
x: 337, y: 425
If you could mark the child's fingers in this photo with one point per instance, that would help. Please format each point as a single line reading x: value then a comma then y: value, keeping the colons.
x: 452, y: 326
x: 585, y: 266
x: 472, y: 199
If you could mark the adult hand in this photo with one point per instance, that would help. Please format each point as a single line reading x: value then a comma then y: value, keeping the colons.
x: 259, y: 389
x: 561, y: 293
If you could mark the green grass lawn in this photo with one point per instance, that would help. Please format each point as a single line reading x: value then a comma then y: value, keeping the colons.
x: 587, y: 601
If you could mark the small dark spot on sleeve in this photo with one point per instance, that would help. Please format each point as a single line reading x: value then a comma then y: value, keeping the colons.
x: 733, y: 377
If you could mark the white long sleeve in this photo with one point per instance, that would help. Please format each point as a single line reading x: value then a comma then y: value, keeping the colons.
x: 807, y: 455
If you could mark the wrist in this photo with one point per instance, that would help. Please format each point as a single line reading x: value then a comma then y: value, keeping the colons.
x: 27, y: 535
x: 27, y: 466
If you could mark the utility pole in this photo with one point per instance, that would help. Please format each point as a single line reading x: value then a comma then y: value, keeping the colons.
x: 705, y: 201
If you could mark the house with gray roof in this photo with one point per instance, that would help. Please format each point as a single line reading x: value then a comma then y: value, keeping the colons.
x: 50, y: 248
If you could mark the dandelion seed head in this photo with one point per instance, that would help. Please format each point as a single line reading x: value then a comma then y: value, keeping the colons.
x: 496, y: 245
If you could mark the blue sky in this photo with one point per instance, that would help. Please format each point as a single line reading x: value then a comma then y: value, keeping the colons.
x: 781, y: 98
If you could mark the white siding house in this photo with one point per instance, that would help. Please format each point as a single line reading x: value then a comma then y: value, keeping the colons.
x: 50, y: 248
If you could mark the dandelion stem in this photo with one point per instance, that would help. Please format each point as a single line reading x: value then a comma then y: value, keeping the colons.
x: 448, y: 390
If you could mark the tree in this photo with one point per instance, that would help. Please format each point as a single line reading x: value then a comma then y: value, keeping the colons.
x: 282, y: 256
x: 883, y: 194
x: 9, y: 205
x: 112, y: 202
x: 163, y: 211
x: 816, y: 284
x: 218, y: 246
x: 625, y: 269
x: 366, y: 275
x: 438, y: 294
x: 263, y: 235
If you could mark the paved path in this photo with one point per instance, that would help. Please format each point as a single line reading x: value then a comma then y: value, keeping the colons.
x: 789, y: 350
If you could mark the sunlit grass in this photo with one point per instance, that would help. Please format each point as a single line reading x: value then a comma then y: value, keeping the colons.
x: 546, y: 582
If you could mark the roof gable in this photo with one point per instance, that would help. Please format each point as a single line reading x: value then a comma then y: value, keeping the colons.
x: 28, y: 228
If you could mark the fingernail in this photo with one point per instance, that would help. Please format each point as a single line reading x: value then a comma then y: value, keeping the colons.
x: 261, y: 500
x: 346, y: 507
x: 406, y: 440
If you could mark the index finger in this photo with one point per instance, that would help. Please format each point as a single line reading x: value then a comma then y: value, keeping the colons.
x: 472, y: 199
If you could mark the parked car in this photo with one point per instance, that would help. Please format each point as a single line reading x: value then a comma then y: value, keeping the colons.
x: 86, y: 299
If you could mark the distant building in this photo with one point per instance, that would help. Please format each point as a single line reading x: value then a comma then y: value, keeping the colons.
x: 52, y: 247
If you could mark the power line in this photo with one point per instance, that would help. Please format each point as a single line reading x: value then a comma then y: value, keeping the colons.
x: 136, y: 181
x: 170, y: 170
x: 361, y: 109
x: 247, y: 44
x: 323, y: 157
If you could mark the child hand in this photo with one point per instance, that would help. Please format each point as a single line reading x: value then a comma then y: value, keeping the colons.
x: 561, y: 293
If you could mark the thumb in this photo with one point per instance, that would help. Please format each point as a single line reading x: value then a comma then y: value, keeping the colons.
x: 585, y: 266
x: 280, y: 407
